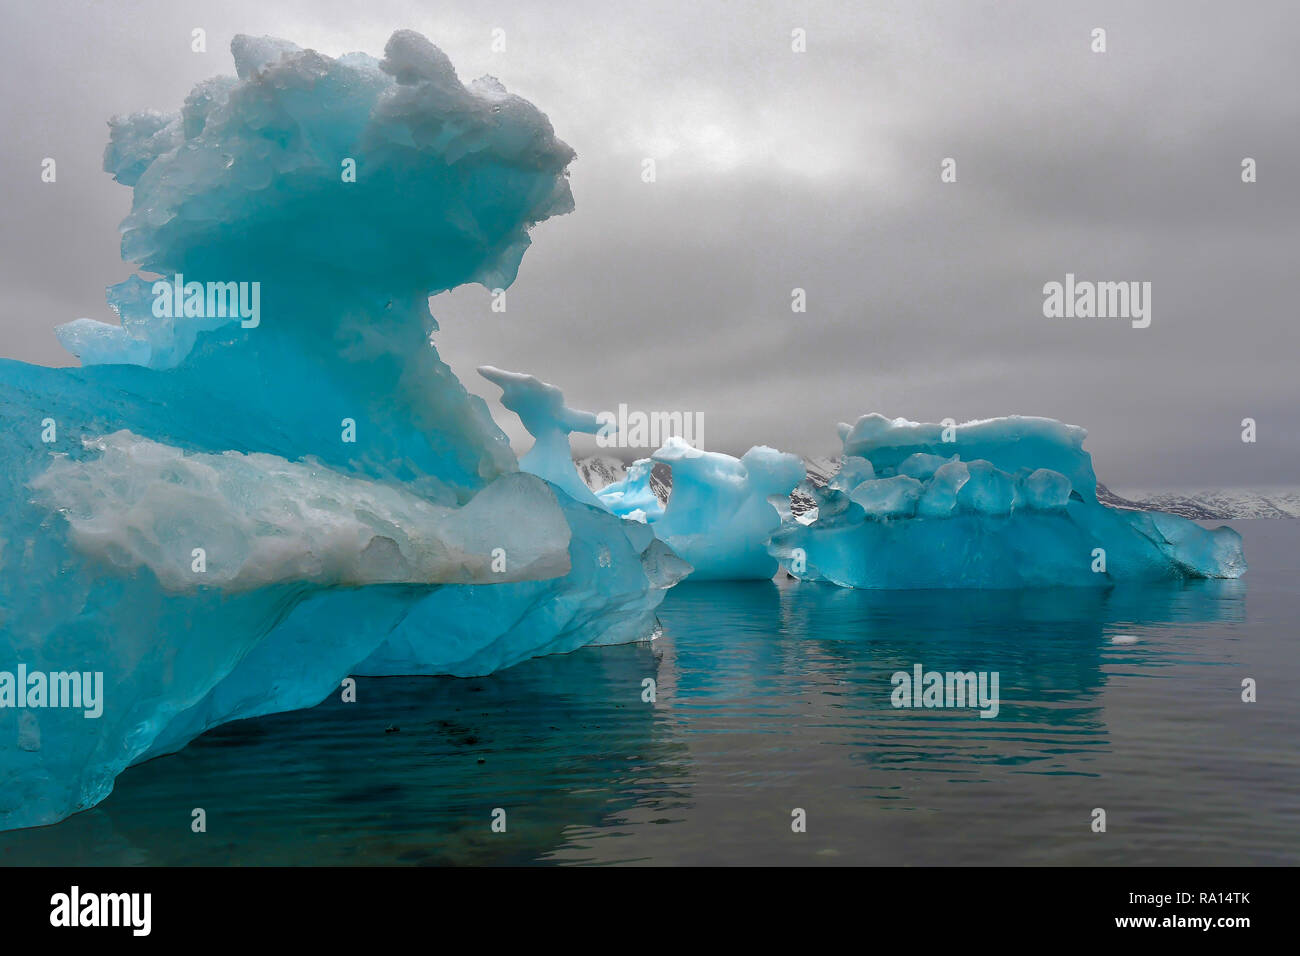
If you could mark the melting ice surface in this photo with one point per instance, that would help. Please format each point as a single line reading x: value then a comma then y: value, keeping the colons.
x: 227, y: 517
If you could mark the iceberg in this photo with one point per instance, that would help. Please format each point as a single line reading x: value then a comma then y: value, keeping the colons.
x: 263, y: 478
x: 617, y: 577
x: 1001, y: 503
x: 722, y: 511
x: 720, y: 516
x: 618, y: 571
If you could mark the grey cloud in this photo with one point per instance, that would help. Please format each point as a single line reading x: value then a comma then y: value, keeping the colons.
x: 817, y: 170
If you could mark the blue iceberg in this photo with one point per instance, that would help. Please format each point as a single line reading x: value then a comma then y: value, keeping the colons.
x: 1002, y: 503
x: 264, y: 478
x: 722, y: 511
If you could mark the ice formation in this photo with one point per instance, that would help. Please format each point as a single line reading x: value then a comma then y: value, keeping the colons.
x: 1002, y: 503
x: 540, y: 407
x: 720, y: 516
x: 265, y: 479
x: 265, y: 520
x: 632, y: 495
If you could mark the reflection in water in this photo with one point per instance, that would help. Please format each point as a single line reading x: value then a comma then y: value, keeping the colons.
x: 773, y: 696
x: 1048, y: 645
x: 552, y: 742
x: 781, y: 694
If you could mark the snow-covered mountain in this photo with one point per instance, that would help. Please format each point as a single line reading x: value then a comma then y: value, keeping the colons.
x: 821, y: 470
x: 1209, y: 505
x: 1217, y: 505
x: 597, y: 471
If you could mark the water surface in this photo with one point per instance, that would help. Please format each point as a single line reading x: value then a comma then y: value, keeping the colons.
x: 772, y: 697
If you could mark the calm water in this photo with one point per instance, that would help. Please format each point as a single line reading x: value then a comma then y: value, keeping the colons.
x: 772, y: 697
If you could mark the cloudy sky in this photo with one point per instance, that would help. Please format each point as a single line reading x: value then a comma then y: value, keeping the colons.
x: 777, y: 170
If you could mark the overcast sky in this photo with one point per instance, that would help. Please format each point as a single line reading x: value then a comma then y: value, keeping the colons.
x: 776, y: 170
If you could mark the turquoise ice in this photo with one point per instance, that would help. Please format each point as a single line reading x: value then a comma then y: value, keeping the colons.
x: 722, y: 510
x: 1002, y: 503
x: 264, y: 479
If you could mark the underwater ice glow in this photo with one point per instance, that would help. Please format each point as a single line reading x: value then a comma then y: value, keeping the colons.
x: 227, y: 516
